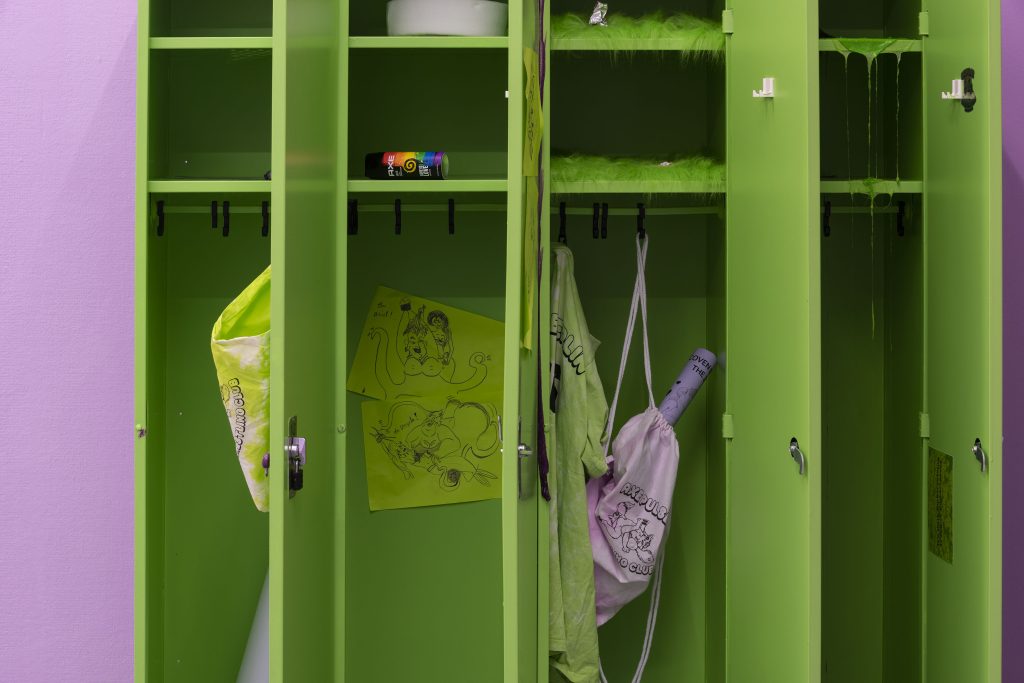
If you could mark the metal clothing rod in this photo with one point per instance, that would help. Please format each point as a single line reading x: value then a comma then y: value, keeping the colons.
x: 677, y: 211
x: 206, y: 209
x: 432, y: 208
x: 863, y: 210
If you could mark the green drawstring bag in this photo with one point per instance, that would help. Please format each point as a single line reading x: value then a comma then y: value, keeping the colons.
x: 241, y: 352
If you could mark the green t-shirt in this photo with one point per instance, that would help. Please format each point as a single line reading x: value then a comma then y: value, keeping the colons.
x: 575, y: 451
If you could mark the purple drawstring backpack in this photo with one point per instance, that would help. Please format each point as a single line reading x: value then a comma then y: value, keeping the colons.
x: 630, y: 506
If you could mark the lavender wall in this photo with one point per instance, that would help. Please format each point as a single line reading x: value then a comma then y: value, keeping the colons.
x: 1013, y: 341
x: 67, y: 80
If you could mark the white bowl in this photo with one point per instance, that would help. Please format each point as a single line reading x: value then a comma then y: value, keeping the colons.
x: 447, y: 18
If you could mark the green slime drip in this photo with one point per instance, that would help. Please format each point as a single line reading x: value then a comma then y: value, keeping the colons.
x: 871, y: 48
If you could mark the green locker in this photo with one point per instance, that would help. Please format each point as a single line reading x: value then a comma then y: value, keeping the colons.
x: 838, y: 245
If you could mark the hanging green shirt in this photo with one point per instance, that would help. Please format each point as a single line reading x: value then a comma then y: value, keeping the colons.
x: 580, y: 411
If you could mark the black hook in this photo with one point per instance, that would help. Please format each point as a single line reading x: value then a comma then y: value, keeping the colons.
x: 451, y: 216
x: 266, y: 219
x: 398, y: 216
x: 353, y: 216
x: 227, y: 219
x: 213, y: 215
x: 160, y: 219
x: 562, y: 237
x: 970, y: 99
x: 826, y: 220
x: 901, y: 214
x: 597, y: 221
x: 604, y: 221
x: 641, y: 218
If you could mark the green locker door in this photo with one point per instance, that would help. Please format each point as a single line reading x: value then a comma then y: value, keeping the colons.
x: 520, y: 490
x: 303, y: 528
x: 962, y: 554
x: 773, y: 511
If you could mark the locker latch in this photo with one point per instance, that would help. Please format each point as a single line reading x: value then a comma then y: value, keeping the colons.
x: 797, y: 455
x: 523, y: 451
x: 980, y: 455
x: 295, y: 452
x: 962, y: 90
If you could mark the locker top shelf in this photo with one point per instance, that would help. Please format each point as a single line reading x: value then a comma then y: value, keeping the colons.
x: 417, y: 186
x: 429, y: 42
x: 680, y: 32
x: 882, y: 45
x: 585, y: 174
x: 636, y: 187
x: 212, y: 43
x: 208, y: 186
x: 872, y: 187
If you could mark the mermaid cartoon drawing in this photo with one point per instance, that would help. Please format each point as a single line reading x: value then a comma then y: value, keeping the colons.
x: 420, y: 355
x: 632, y: 533
x: 447, y: 444
x: 639, y: 541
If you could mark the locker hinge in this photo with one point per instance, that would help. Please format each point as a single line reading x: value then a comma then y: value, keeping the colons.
x: 727, y: 22
x: 728, y: 430
x: 926, y: 426
x: 922, y: 23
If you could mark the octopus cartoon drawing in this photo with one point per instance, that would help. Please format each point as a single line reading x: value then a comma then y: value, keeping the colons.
x: 632, y: 533
x: 449, y: 444
x: 419, y: 353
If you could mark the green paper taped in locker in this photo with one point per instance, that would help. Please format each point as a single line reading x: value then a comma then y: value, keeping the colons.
x: 432, y: 451
x: 416, y: 347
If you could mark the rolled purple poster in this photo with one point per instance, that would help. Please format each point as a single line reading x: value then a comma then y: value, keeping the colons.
x: 689, y: 382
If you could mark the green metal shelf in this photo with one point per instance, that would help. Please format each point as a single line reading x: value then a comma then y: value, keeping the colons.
x: 625, y: 45
x: 403, y: 186
x: 212, y: 43
x: 636, y: 187
x: 431, y: 42
x: 876, y: 187
x: 899, y: 45
x: 208, y: 186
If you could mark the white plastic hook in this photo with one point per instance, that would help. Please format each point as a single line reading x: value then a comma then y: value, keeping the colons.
x: 957, y: 92
x: 767, y: 88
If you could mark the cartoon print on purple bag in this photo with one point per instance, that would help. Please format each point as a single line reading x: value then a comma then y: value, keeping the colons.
x: 632, y: 532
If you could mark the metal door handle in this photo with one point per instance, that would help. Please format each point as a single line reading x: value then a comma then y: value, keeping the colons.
x: 797, y: 455
x: 524, y: 452
x: 980, y: 455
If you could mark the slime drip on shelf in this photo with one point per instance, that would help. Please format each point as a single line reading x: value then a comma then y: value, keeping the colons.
x: 871, y: 49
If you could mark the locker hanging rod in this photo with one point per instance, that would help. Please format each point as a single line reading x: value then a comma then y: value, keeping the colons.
x: 600, y: 211
x: 501, y: 208
x: 879, y: 210
x: 354, y: 208
x: 676, y: 211
x: 215, y: 210
x: 900, y: 211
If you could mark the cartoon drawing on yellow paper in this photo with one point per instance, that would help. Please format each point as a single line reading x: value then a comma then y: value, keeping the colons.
x: 416, y: 347
x: 431, y: 451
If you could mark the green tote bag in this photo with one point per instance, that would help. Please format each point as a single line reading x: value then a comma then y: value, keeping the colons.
x: 241, y: 352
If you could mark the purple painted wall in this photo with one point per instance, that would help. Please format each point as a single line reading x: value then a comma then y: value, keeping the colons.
x: 1013, y: 340
x: 67, y: 141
